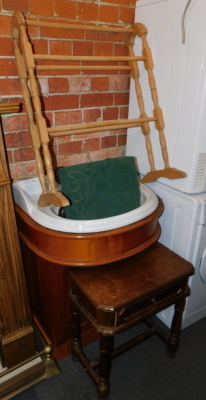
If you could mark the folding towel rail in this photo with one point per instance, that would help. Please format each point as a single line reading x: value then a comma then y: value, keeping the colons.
x: 28, y: 67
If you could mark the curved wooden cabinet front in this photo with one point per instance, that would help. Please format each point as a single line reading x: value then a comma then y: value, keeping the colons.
x: 89, y: 249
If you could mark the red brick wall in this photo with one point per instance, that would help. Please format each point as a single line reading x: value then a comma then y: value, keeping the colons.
x: 67, y: 99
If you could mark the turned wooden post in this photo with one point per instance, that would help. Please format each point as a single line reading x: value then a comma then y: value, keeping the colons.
x: 157, y: 110
x: 21, y: 69
x: 135, y: 75
x: 105, y: 347
x: 76, y: 331
x: 39, y: 134
x: 173, y: 342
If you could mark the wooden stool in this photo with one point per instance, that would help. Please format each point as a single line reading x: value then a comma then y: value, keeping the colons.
x: 116, y: 296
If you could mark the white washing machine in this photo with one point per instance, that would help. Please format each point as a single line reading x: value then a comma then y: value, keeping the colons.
x: 183, y: 225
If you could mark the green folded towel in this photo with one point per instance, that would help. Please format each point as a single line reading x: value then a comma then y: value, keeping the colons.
x: 100, y: 189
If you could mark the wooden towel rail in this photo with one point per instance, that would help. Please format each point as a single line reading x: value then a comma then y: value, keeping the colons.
x: 9, y: 108
x: 28, y: 65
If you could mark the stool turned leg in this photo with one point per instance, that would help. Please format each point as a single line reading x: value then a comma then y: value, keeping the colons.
x: 76, y: 332
x: 173, y: 342
x: 106, y: 347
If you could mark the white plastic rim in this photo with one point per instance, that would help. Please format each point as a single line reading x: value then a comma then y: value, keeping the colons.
x: 27, y: 192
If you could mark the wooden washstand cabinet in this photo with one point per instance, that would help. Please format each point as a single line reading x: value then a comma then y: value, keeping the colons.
x: 47, y: 256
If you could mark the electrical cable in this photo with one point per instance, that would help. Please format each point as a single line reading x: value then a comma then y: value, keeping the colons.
x: 183, y: 21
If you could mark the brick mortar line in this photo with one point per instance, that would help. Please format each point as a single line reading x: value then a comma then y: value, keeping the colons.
x: 73, y: 20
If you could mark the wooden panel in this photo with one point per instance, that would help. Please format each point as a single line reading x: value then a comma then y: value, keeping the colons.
x: 48, y: 285
x: 13, y: 287
x: 16, y: 332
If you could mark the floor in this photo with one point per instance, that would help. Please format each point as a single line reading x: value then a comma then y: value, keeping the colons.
x: 142, y: 373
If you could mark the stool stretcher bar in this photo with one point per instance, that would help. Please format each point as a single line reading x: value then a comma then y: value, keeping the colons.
x: 28, y: 64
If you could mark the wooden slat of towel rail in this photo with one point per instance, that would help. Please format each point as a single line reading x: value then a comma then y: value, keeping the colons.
x: 6, y: 108
x: 81, y: 67
x: 51, y: 57
x: 90, y: 130
x: 78, y: 26
x: 100, y: 125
